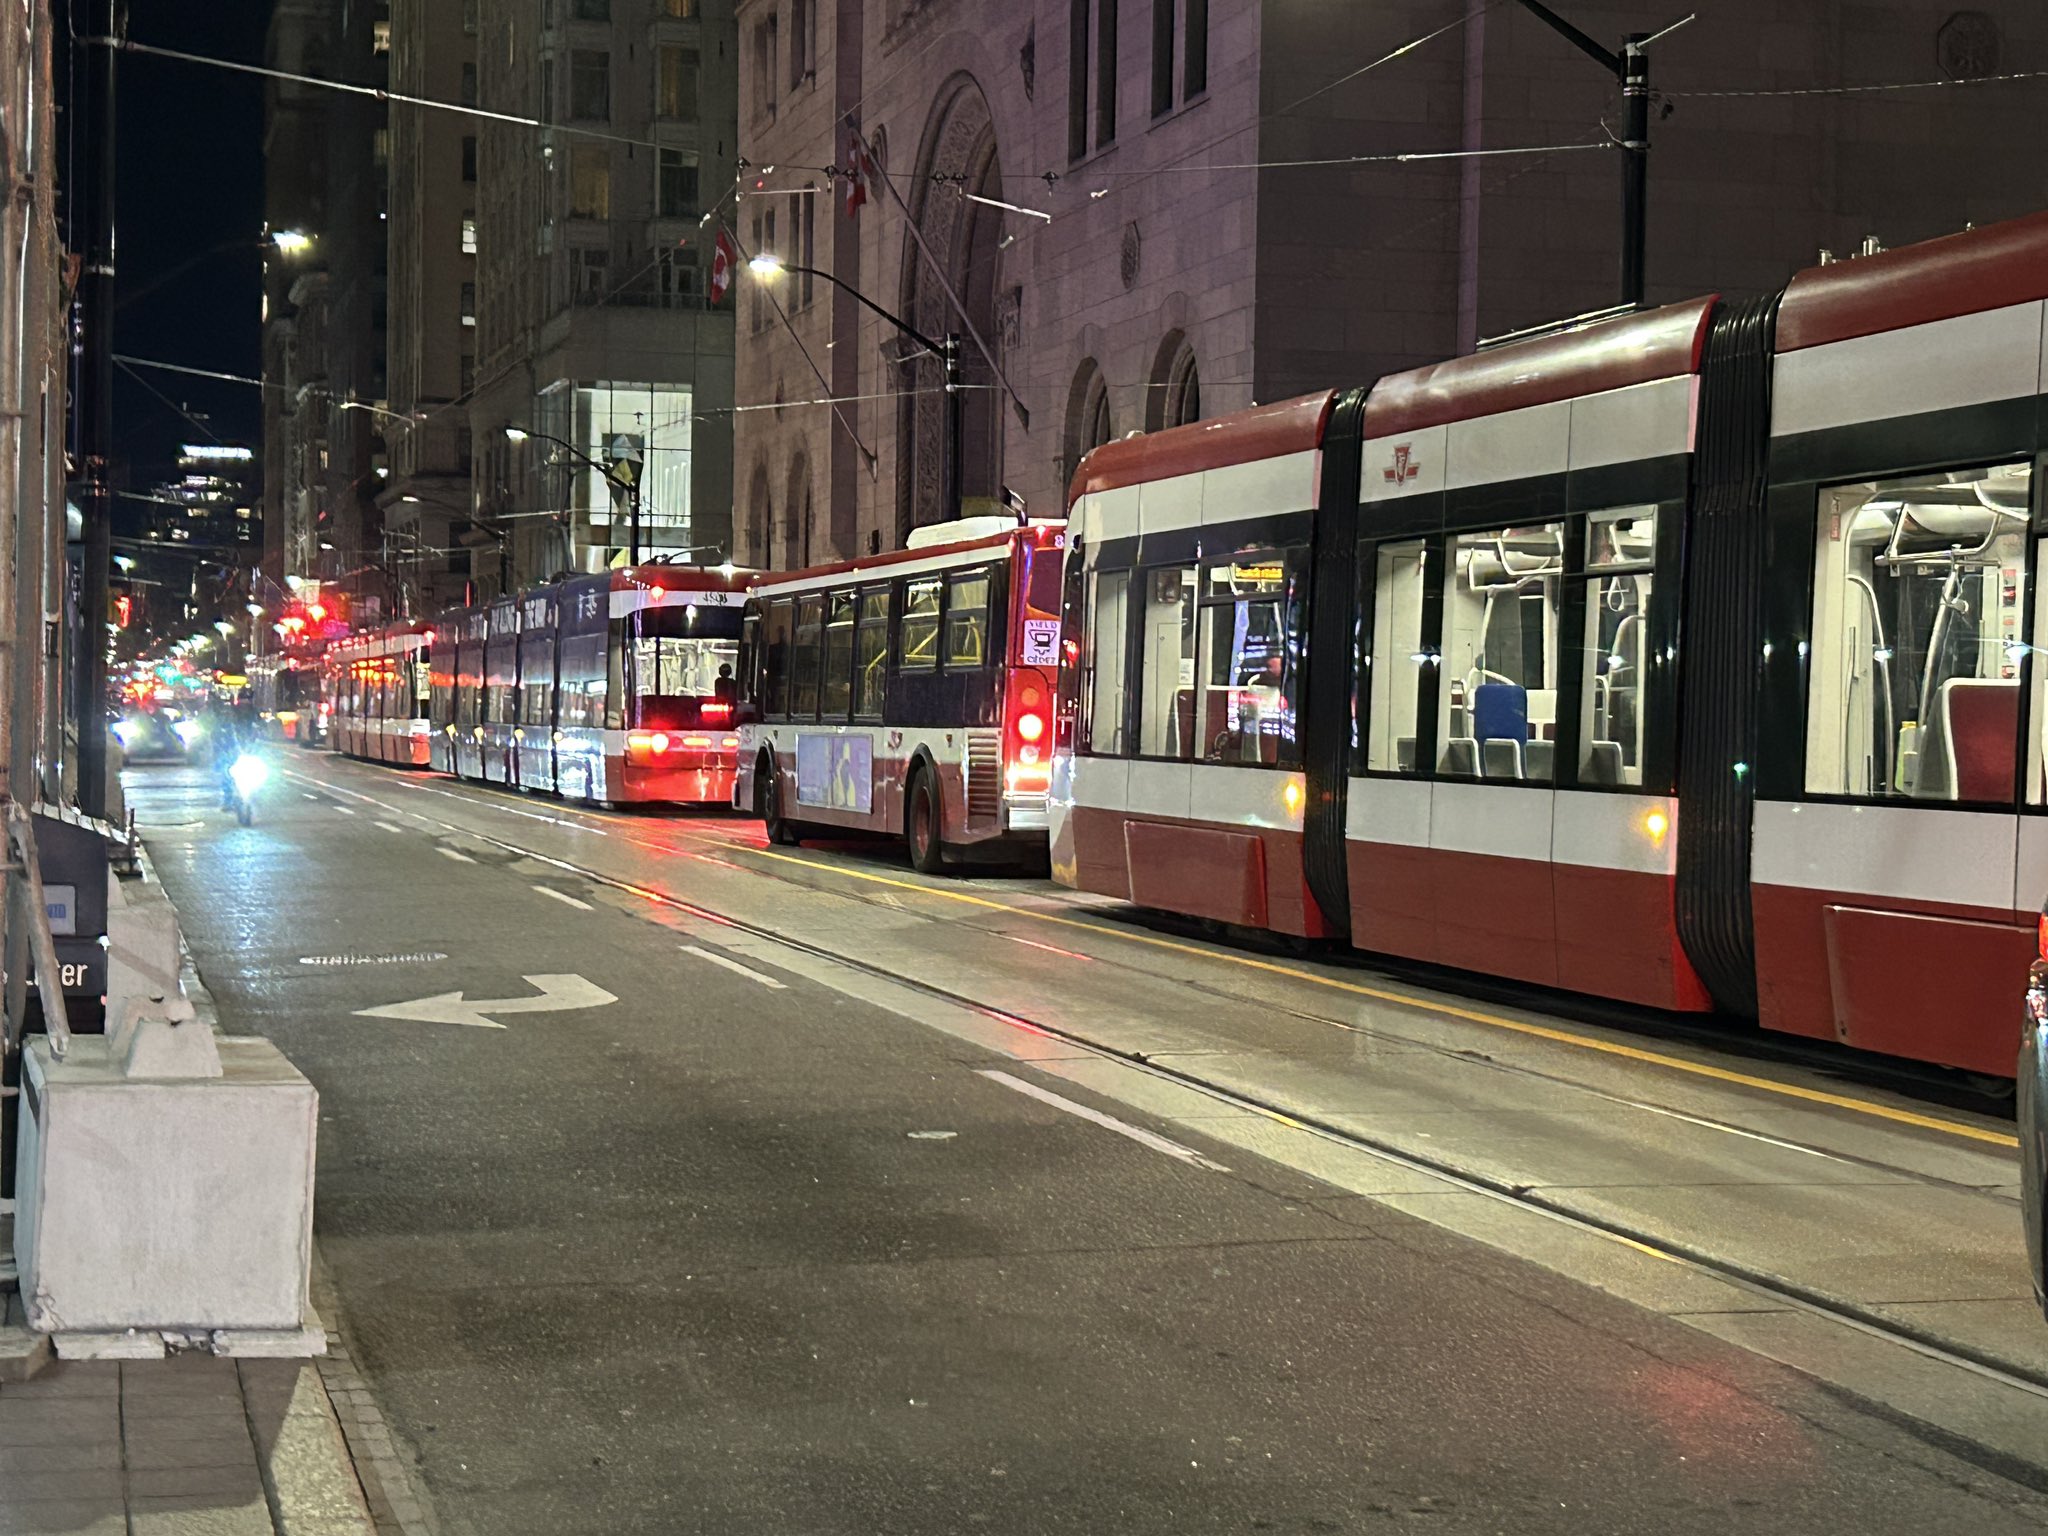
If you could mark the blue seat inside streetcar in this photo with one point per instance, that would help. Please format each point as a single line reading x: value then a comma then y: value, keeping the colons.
x: 1500, y: 719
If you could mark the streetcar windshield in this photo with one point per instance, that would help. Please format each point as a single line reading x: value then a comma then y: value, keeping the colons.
x: 682, y: 660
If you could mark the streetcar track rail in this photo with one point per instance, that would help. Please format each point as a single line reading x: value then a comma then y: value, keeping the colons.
x: 1783, y: 1292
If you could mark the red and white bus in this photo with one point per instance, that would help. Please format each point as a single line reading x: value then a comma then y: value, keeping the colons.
x: 374, y: 695
x: 909, y: 694
x: 1691, y: 657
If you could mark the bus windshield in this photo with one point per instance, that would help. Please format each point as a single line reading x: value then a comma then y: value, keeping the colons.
x: 683, y: 660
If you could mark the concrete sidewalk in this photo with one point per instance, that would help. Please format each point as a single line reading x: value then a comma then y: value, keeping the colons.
x: 191, y: 1445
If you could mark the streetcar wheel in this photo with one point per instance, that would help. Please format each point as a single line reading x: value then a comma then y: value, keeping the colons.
x: 927, y: 851
x: 768, y: 806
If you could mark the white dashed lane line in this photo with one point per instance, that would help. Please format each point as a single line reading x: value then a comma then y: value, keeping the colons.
x: 1137, y: 1133
x: 455, y: 854
x: 733, y: 965
x: 561, y: 896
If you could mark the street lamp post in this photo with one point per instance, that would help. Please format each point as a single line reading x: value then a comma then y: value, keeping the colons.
x: 947, y: 351
x: 630, y: 487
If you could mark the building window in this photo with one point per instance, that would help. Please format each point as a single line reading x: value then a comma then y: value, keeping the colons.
x: 469, y: 234
x: 685, y: 9
x: 469, y: 303
x: 1162, y: 55
x: 675, y: 83
x: 590, y: 84
x: 590, y: 181
x: 592, y: 267
x: 803, y: 41
x: 678, y: 183
x: 592, y: 10
x: 380, y: 37
x: 810, y: 247
x: 1091, y: 74
x: 380, y: 148
x: 468, y: 83
x: 766, y: 46
x: 469, y: 17
x: 1195, y: 61
x: 469, y: 157
x: 1173, y: 395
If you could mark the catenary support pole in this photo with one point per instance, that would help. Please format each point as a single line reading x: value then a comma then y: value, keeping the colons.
x: 1635, y: 174
x: 96, y: 403
x: 955, y: 455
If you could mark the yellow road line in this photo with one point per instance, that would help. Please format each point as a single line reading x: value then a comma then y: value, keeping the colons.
x: 1429, y: 1005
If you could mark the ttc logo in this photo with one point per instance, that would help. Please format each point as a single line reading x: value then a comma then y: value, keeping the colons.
x: 1404, y: 468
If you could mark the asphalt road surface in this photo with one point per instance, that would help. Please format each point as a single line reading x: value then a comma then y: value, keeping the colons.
x: 705, y: 1244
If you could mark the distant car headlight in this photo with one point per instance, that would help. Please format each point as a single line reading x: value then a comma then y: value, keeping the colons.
x: 188, y: 731
x: 249, y: 773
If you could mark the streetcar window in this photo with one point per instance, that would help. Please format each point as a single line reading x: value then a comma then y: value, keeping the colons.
x: 871, y: 654
x: 1393, y: 667
x: 537, y: 680
x: 1614, y: 697
x: 1166, y: 675
x: 1102, y: 657
x: 1918, y: 596
x: 1497, y: 710
x: 917, y: 636
x: 775, y: 695
x: 837, y: 688
x: 967, y: 620
x: 803, y: 676
x: 1251, y: 645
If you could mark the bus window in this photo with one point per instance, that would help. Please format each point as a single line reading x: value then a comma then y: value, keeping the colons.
x: 836, y: 688
x: 1394, y: 665
x: 1103, y: 660
x: 1918, y: 595
x: 1498, y: 709
x: 683, y: 659
x: 917, y: 635
x: 775, y: 664
x: 803, y: 680
x: 1613, y: 704
x: 1166, y: 678
x: 871, y: 653
x: 967, y: 620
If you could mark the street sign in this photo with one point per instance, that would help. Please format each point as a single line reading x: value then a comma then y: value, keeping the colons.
x: 558, y: 994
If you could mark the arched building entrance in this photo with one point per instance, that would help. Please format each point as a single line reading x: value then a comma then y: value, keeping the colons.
x: 957, y: 155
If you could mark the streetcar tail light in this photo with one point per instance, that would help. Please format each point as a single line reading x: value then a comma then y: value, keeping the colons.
x: 711, y: 710
x: 2041, y: 942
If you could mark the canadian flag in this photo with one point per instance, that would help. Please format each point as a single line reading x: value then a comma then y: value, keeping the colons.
x: 860, y: 172
x: 724, y: 256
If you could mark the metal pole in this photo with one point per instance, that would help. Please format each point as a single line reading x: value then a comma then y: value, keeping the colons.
x: 955, y: 458
x: 96, y: 408
x: 633, y: 523
x: 1635, y: 171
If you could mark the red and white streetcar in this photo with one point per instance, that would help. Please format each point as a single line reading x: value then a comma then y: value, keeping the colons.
x: 1689, y: 657
x: 374, y: 695
x: 909, y: 694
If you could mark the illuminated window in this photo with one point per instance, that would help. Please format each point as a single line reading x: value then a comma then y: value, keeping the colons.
x: 469, y: 234
x: 590, y: 181
x: 675, y: 86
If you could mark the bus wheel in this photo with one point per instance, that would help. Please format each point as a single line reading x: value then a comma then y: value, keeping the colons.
x: 927, y: 851
x: 768, y: 805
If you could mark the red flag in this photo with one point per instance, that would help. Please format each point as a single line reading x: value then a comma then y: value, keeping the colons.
x: 860, y: 172
x: 724, y: 257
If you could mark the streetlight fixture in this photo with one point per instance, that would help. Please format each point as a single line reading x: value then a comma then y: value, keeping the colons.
x: 631, y: 488
x: 767, y: 265
x: 292, y: 242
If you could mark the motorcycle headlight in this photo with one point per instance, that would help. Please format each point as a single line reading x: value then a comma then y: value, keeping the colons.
x: 249, y: 774
x: 188, y: 731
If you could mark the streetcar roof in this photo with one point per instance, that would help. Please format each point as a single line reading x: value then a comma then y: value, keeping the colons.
x: 1965, y: 274
x: 1262, y: 432
x: 907, y: 561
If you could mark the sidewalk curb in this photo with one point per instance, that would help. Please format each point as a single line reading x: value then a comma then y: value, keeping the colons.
x: 309, y: 1481
x: 396, y: 1506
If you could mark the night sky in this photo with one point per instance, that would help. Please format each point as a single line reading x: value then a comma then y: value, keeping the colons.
x: 190, y: 140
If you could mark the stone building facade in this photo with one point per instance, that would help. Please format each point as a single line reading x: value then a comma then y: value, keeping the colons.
x: 592, y: 318
x: 431, y: 310
x: 1228, y: 223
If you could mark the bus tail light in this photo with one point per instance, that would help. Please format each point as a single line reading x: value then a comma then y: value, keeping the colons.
x: 645, y: 744
x: 1027, y: 769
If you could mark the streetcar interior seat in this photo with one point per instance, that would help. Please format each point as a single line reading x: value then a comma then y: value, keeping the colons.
x: 1501, y: 758
x: 1461, y: 757
x: 1500, y: 719
x: 1975, y: 734
x: 1603, y: 764
x: 1539, y: 761
x: 1404, y: 754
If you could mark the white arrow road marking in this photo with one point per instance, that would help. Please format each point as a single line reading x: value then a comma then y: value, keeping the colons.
x: 1139, y: 1134
x: 558, y: 994
x: 732, y: 965
x: 564, y: 896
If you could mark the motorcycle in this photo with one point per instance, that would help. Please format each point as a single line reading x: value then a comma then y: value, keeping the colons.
x: 246, y: 775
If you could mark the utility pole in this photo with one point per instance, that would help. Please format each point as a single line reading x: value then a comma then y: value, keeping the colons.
x: 633, y: 522
x: 949, y: 354
x: 96, y: 404
x: 1631, y: 70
